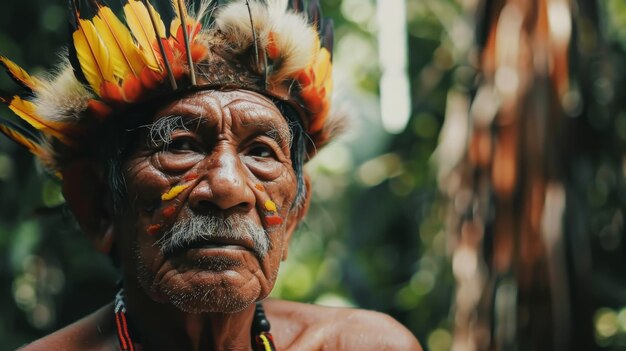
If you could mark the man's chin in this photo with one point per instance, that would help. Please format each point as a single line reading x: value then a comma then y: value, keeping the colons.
x: 209, y: 292
x: 216, y: 283
x: 216, y: 302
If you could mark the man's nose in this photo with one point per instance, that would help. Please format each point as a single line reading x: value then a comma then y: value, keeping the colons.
x: 224, y: 186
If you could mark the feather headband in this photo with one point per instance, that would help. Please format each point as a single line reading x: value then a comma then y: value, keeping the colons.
x: 275, y: 47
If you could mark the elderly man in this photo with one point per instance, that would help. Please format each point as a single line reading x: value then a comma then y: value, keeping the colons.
x: 180, y: 151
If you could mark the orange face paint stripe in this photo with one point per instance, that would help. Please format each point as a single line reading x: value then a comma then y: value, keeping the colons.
x: 169, y: 211
x: 154, y: 229
x: 273, y: 220
x: 190, y: 177
x: 260, y: 187
x: 173, y: 192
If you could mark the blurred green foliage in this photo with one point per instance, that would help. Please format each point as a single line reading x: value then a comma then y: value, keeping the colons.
x: 373, y: 237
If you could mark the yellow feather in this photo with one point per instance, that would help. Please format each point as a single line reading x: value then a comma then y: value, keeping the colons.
x: 140, y: 25
x: 323, y: 70
x: 17, y: 137
x: 93, y: 55
x: 19, y: 74
x: 174, y: 25
x: 27, y: 111
x: 126, y: 56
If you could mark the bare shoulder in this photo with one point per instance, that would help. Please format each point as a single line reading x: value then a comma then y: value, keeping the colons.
x: 298, y: 326
x: 93, y: 332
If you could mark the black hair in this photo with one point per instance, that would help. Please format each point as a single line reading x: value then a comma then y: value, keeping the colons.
x: 297, y: 148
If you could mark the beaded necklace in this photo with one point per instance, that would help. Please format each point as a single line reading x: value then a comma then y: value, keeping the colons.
x: 262, y: 340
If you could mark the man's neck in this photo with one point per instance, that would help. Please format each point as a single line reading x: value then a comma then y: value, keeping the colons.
x: 164, y: 327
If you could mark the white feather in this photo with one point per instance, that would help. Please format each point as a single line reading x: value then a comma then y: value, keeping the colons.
x: 202, y: 10
x: 296, y: 41
x: 62, y: 97
x: 277, y: 5
x: 234, y: 23
x: 294, y: 37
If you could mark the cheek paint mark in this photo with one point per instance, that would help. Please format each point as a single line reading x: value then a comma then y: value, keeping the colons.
x: 154, y: 229
x: 270, y: 206
x: 273, y: 220
x: 169, y: 211
x: 173, y: 192
x: 260, y: 187
x: 191, y: 176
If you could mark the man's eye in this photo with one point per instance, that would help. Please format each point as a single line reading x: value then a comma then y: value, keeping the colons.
x: 182, y: 145
x: 261, y: 151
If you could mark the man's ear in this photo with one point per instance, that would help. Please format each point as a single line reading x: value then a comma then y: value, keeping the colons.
x: 296, y: 215
x: 87, y: 195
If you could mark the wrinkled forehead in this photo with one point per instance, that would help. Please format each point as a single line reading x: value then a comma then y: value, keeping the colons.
x: 238, y: 108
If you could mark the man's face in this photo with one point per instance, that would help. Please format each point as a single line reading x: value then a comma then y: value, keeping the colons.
x: 210, y: 189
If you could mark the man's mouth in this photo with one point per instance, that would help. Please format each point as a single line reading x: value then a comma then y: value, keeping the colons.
x: 214, y: 243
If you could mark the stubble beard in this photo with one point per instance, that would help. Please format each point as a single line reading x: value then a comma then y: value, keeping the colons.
x: 206, y: 296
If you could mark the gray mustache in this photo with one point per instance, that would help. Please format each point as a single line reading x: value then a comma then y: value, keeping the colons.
x: 196, y: 228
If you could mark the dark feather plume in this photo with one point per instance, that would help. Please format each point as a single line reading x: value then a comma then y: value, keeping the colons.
x: 296, y: 5
x: 72, y: 55
x: 28, y: 89
x: 5, y: 97
x: 328, y: 36
x: 27, y: 133
x: 314, y: 13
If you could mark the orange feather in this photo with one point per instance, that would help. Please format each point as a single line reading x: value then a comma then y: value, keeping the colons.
x: 99, y: 109
x: 20, y: 139
x: 186, y: 38
x: 316, y: 82
x: 323, y: 70
x: 111, y: 92
x: 19, y: 74
x: 132, y: 89
x: 272, y: 47
x: 150, y: 79
x: 27, y: 111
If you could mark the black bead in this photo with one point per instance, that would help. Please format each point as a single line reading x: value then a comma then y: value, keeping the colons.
x: 263, y: 325
x: 260, y: 322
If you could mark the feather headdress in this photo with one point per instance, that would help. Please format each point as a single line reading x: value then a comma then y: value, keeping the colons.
x: 275, y: 47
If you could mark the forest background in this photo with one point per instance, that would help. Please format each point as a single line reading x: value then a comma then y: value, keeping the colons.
x: 383, y: 230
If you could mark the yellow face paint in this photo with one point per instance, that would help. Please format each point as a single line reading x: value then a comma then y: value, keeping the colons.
x: 270, y: 206
x: 173, y: 192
